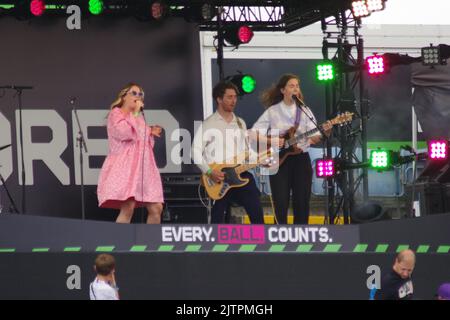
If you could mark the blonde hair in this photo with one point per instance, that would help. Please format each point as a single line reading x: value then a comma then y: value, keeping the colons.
x: 119, y: 99
x: 273, y: 95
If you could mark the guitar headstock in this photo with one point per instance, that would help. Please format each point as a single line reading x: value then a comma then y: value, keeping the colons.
x: 343, y: 118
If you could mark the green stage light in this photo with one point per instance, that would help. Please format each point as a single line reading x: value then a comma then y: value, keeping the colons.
x: 96, y: 7
x: 248, y: 84
x: 325, y: 72
x: 380, y: 159
x: 244, y: 82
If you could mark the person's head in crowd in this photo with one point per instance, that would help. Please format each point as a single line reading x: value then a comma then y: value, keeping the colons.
x: 404, y: 263
x: 105, y: 266
x: 444, y: 291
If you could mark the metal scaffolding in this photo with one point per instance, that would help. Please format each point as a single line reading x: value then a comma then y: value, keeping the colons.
x: 346, y: 94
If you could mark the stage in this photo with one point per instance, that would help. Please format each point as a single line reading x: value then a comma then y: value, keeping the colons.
x: 54, y: 257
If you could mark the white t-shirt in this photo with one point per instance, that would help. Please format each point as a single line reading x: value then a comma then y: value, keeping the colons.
x: 101, y: 290
x: 281, y: 117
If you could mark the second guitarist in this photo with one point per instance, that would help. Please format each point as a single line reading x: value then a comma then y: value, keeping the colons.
x: 223, y: 136
x: 295, y: 172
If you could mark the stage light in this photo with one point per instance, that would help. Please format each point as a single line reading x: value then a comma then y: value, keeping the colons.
x: 146, y: 11
x: 325, y: 72
x: 208, y: 11
x: 96, y: 7
x: 159, y: 10
x: 198, y: 13
x: 435, y: 55
x: 380, y: 159
x: 37, y: 7
x: 245, y: 83
x: 375, y: 5
x: 431, y: 56
x: 375, y: 65
x: 438, y: 149
x: 325, y: 168
x: 238, y: 34
x: 360, y: 8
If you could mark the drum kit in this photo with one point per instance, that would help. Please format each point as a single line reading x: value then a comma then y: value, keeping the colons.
x: 13, y: 208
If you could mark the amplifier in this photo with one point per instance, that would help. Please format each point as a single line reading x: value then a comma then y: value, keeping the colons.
x: 182, y: 201
x: 180, y: 187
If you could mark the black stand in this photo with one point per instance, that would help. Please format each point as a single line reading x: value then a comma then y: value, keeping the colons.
x: 81, y: 144
x: 19, y: 97
x: 11, y: 200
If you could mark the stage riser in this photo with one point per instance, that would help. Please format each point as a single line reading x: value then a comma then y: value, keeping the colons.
x: 222, y: 276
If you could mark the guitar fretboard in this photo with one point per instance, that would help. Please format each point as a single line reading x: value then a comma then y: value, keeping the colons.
x: 295, y: 139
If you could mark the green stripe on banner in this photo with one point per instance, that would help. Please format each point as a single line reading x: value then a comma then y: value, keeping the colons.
x: 6, y: 6
x: 443, y: 249
x: 72, y: 249
x: 7, y: 250
x: 138, y: 248
x: 304, y: 248
x: 423, y: 249
x: 40, y: 250
x: 381, y: 248
x: 105, y: 248
x: 277, y: 248
x: 193, y: 248
x: 247, y: 247
x: 402, y: 247
x: 332, y: 248
x: 220, y: 248
x: 165, y: 248
x: 361, y: 247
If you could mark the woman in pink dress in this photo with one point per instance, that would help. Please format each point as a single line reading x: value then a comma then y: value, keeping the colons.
x: 129, y: 177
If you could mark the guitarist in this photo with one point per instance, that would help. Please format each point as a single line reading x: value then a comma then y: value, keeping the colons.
x: 223, y: 136
x: 295, y: 172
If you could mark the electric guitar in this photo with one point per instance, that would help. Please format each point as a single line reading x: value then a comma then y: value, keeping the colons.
x: 232, y: 174
x: 292, y: 139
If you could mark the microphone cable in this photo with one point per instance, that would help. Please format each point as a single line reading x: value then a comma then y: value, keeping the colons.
x: 142, y: 166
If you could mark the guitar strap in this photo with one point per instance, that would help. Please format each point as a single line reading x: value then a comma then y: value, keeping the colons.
x: 297, y: 118
x: 241, y: 126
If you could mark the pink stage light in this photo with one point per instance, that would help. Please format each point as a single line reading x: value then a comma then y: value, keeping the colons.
x: 438, y: 149
x: 325, y: 168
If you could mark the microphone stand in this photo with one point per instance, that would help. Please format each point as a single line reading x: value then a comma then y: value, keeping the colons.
x: 18, y: 90
x: 11, y: 200
x: 81, y: 144
x: 301, y: 104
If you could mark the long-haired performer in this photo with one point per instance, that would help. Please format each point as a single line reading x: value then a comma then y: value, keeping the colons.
x: 295, y: 172
x: 129, y: 177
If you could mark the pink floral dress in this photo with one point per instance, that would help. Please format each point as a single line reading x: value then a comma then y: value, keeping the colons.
x: 129, y: 170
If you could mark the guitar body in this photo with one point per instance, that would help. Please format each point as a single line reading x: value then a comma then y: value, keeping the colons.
x: 217, y: 190
x: 291, y: 150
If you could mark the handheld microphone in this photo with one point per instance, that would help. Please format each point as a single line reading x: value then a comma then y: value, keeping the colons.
x: 141, y: 108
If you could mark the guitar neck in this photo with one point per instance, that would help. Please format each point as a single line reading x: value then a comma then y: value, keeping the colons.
x: 245, y: 167
x: 296, y: 138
